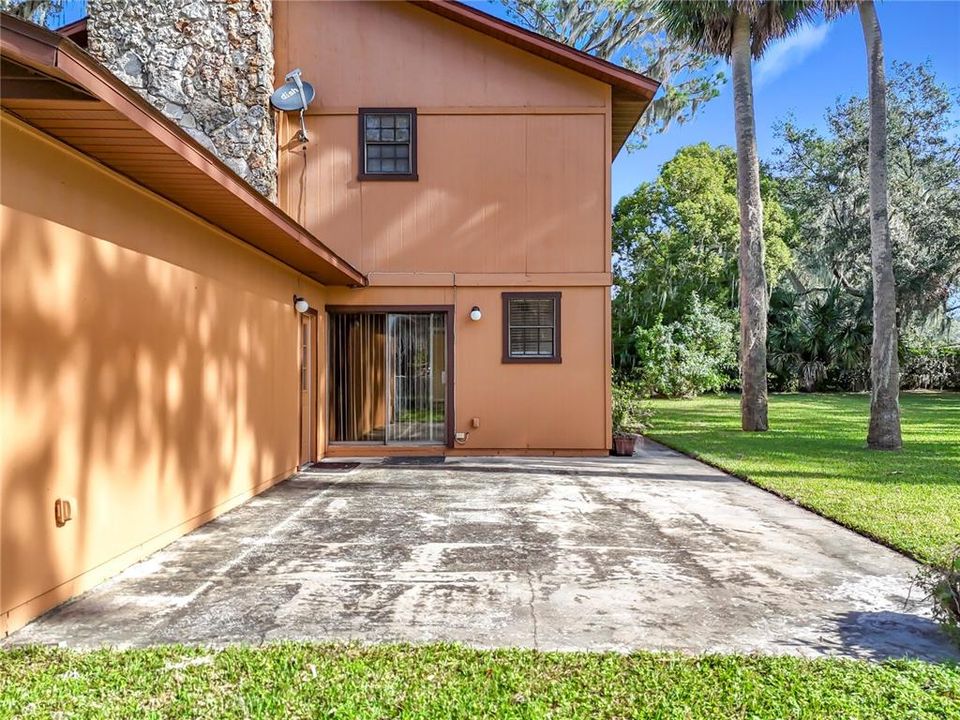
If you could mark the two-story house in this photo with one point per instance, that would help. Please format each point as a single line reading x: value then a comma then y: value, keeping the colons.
x: 194, y: 302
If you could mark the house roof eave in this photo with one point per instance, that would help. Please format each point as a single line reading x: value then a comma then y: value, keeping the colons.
x: 631, y: 92
x: 239, y: 209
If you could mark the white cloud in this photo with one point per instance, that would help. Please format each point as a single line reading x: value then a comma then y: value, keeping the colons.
x: 784, y: 54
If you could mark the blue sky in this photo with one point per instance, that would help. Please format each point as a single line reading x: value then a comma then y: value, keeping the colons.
x: 803, y: 75
x: 72, y: 10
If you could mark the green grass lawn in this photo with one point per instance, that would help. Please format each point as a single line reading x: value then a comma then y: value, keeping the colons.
x: 444, y: 681
x: 815, y: 453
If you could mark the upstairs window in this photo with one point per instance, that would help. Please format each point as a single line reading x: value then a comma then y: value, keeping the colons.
x: 388, y: 143
x: 531, y: 327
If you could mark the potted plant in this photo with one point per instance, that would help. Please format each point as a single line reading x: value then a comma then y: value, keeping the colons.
x: 630, y: 418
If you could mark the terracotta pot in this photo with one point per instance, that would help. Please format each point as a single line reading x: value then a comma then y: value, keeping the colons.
x: 625, y: 444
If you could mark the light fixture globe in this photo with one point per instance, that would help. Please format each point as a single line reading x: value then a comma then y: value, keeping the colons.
x: 301, y: 305
x: 475, y: 313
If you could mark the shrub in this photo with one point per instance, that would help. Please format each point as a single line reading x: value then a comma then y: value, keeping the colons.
x: 930, y: 367
x: 695, y: 355
x: 818, y: 342
x: 630, y: 415
x: 853, y: 379
x: 941, y: 583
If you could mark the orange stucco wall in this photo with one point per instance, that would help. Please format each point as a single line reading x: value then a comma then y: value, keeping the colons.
x: 496, y: 194
x: 399, y: 55
x: 544, y: 408
x: 513, y: 152
x: 148, y: 372
x: 513, y: 194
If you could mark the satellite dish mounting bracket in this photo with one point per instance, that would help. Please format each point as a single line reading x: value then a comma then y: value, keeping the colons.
x: 295, y: 76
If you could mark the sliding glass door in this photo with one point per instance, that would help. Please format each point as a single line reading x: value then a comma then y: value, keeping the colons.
x: 388, y: 377
x: 417, y: 372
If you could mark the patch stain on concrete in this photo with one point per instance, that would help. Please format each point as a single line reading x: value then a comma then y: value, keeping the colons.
x: 655, y: 552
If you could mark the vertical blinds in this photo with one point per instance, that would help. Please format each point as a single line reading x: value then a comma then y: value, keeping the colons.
x: 388, y: 374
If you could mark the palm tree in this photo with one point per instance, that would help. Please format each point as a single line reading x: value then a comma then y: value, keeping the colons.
x: 817, y: 337
x: 740, y: 30
x: 884, y: 432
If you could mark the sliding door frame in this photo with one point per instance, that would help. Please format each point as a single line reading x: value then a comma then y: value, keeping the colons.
x: 310, y: 319
x: 448, y: 311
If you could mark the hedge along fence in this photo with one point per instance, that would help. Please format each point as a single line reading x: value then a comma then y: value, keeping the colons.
x: 930, y: 368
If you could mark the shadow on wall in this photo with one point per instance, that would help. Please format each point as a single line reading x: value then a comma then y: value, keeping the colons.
x: 144, y: 391
x: 522, y: 208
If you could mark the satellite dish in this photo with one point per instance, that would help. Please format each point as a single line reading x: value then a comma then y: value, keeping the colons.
x: 294, y: 96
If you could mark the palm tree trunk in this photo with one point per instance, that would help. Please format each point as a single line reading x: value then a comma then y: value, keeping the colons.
x: 753, y: 281
x: 884, y: 433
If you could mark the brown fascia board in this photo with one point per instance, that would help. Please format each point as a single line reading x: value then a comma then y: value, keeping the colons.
x: 59, y: 57
x: 625, y: 83
x: 76, y: 31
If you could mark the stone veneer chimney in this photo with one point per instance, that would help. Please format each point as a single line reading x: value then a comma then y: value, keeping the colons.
x: 206, y: 64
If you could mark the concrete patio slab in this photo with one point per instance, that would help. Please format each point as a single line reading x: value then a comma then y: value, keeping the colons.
x: 655, y: 552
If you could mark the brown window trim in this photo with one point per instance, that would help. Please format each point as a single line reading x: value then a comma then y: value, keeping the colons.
x: 506, y: 297
x: 388, y: 177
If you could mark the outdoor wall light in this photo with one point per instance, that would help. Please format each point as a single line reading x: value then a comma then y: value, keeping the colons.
x: 300, y: 304
x: 475, y: 313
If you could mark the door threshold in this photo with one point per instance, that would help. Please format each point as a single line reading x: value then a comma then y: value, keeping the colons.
x: 385, y: 451
x: 401, y: 460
